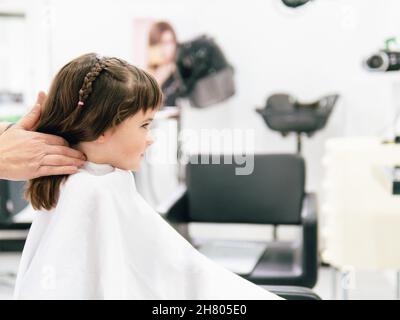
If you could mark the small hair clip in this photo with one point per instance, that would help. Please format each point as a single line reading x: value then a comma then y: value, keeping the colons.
x: 81, y: 103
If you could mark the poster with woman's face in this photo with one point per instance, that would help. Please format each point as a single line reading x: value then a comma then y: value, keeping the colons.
x: 155, y: 51
x: 199, y: 71
x: 155, y: 42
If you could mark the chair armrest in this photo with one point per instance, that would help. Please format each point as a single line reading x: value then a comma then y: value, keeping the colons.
x: 15, y: 225
x: 292, y: 292
x: 175, y: 208
x: 309, y: 213
x: 310, y: 239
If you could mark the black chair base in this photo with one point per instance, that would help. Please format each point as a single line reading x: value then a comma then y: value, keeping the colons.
x: 293, y: 292
x: 13, y: 243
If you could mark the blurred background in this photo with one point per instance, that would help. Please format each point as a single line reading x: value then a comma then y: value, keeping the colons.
x: 309, y: 88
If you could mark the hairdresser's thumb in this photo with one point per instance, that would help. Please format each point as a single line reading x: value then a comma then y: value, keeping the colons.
x: 29, y: 121
x: 41, y: 98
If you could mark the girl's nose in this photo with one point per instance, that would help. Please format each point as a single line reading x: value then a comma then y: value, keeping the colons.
x: 149, y: 139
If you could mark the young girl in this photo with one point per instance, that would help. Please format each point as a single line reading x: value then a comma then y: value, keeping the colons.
x: 93, y: 235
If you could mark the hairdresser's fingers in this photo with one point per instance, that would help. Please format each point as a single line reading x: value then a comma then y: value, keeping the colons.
x: 51, y: 139
x: 54, y: 170
x: 29, y: 121
x: 57, y: 160
x: 58, y: 141
x: 64, y: 151
x: 41, y: 98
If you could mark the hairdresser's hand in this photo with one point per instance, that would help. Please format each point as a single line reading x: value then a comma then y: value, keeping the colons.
x: 25, y: 154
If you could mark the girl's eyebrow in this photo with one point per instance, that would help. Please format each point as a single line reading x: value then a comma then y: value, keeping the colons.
x: 149, y: 119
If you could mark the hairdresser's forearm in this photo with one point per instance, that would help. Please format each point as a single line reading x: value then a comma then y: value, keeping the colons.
x: 2, y: 169
x: 3, y: 126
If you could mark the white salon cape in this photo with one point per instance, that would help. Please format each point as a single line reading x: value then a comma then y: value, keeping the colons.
x: 103, y: 241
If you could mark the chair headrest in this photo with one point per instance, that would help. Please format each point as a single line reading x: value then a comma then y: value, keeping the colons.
x: 271, y: 194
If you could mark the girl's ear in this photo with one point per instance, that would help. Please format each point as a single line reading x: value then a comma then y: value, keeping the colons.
x: 102, y: 138
x: 105, y: 135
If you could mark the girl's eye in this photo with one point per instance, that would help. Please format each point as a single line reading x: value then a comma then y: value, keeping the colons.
x: 146, y: 125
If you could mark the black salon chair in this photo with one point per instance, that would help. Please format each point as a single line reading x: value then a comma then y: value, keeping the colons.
x: 12, y: 234
x: 293, y: 293
x: 273, y: 194
x: 285, y: 114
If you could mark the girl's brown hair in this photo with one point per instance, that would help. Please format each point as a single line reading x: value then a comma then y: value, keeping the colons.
x: 89, y: 95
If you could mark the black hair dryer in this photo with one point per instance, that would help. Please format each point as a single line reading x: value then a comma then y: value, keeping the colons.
x: 206, y: 76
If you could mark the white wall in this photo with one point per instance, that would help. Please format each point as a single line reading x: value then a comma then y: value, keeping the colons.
x: 309, y: 52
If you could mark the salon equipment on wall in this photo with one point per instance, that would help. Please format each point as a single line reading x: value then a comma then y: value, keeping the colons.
x: 8, y: 97
x: 387, y: 59
x: 294, y: 3
x: 384, y: 61
x: 205, y: 74
x: 285, y: 114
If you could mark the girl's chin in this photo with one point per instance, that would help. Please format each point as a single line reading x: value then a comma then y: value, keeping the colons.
x: 132, y: 166
x: 136, y: 166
